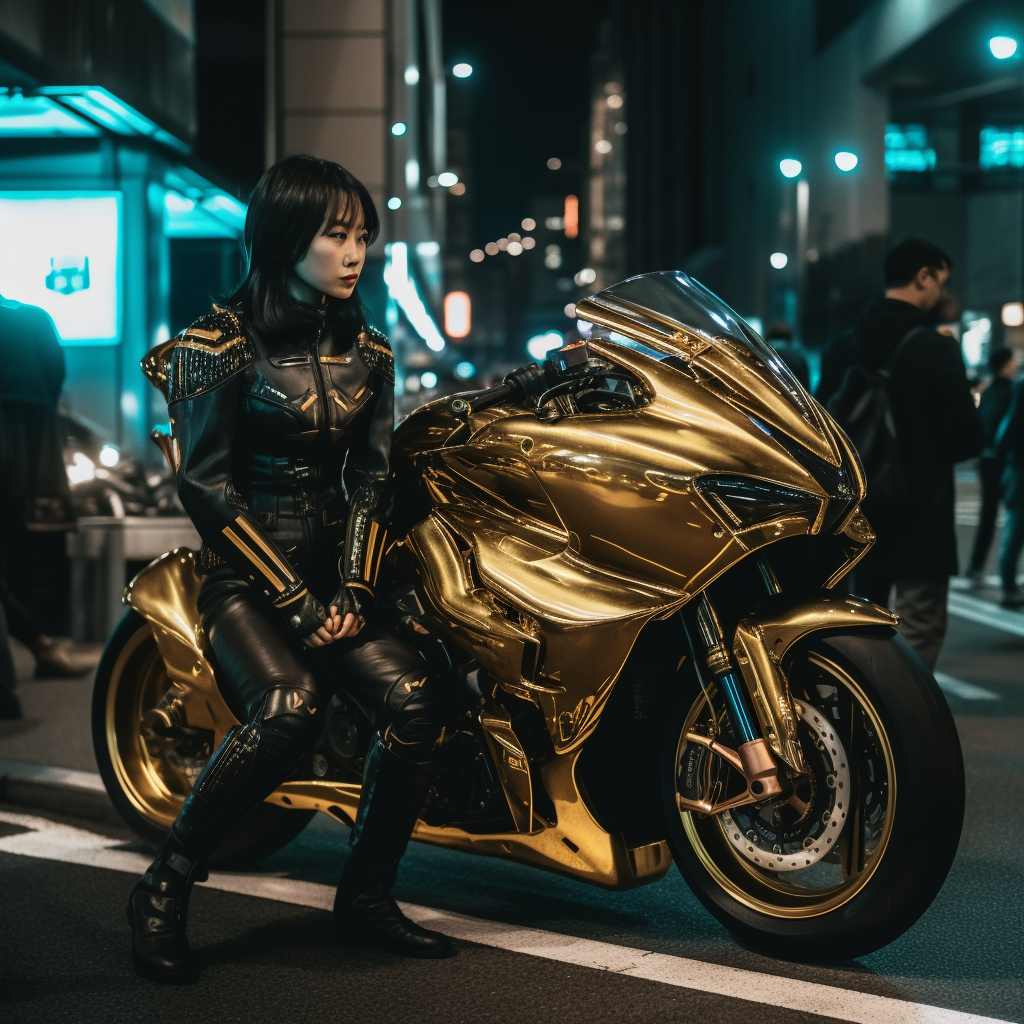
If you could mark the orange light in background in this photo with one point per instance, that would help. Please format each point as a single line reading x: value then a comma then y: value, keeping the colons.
x: 457, y: 318
x: 572, y: 217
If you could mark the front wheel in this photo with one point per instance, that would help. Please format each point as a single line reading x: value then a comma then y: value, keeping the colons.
x: 856, y: 849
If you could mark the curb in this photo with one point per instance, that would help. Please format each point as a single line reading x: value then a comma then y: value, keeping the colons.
x: 60, y: 790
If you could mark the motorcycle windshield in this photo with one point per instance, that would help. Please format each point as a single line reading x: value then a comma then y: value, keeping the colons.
x: 677, y: 316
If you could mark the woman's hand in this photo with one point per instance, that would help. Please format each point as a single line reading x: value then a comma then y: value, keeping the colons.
x: 334, y: 628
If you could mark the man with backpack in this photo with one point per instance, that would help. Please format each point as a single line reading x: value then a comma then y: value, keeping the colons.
x: 907, y: 406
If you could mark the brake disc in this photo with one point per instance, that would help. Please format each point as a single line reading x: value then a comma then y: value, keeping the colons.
x: 783, y: 836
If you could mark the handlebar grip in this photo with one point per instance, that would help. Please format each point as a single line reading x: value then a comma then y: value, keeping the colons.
x: 463, y: 405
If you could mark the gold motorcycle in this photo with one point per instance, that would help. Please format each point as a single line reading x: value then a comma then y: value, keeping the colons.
x: 628, y: 563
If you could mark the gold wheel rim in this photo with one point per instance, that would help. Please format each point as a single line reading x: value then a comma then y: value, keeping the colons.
x: 138, y: 680
x: 805, y: 905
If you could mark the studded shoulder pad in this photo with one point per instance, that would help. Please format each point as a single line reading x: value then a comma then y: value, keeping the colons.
x: 207, y: 353
x: 375, y: 352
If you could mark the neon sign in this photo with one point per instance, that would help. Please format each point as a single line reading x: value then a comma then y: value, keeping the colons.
x: 61, y: 251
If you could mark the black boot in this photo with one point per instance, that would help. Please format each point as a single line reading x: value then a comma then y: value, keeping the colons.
x: 251, y: 762
x: 158, y: 914
x: 365, y: 914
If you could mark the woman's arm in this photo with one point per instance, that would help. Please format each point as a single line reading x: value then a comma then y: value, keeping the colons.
x: 203, y: 398
x: 367, y: 469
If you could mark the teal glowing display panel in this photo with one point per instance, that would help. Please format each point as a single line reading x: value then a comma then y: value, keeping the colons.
x: 62, y: 251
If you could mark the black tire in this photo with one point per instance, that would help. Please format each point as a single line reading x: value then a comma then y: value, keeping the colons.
x: 263, y: 830
x: 925, y: 816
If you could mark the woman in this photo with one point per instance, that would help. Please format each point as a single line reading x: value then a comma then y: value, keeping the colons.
x: 282, y: 410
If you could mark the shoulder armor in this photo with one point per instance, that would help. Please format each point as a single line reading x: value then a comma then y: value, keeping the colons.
x: 207, y: 353
x: 375, y: 352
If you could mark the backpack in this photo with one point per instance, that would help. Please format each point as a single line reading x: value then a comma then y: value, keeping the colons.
x: 863, y: 408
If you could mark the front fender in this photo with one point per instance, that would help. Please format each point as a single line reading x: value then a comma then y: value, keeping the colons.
x: 762, y: 640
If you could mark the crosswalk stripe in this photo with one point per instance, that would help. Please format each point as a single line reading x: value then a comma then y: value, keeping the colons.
x: 985, y: 613
x: 961, y: 688
x: 52, y: 841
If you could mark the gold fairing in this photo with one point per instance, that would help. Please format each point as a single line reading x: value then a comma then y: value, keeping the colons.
x: 573, y: 844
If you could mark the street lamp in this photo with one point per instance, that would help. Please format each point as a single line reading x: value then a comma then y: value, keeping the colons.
x: 846, y: 161
x: 790, y: 168
x: 1002, y: 47
x: 462, y: 70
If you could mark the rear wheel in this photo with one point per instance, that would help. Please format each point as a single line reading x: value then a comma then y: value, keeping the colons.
x: 845, y: 861
x: 149, y: 762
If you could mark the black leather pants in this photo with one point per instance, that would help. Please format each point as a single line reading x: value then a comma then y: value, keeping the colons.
x: 284, y: 688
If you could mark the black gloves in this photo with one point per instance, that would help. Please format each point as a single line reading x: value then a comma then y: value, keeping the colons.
x: 304, y: 615
x: 355, y: 599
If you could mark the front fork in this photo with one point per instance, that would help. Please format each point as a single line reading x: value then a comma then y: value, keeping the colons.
x: 753, y: 758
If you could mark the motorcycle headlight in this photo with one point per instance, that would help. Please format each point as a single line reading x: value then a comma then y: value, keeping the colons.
x: 745, y: 502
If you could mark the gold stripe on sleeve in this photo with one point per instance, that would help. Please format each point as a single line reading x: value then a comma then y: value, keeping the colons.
x: 259, y: 563
x: 302, y: 593
x: 266, y: 549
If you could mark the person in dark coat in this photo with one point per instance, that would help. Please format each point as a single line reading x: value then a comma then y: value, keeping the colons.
x: 838, y: 355
x: 1010, y: 447
x: 937, y: 425
x: 32, y: 474
x: 995, y: 402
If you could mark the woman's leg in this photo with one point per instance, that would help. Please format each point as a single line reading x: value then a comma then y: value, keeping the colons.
x: 411, y: 707
x: 258, y: 660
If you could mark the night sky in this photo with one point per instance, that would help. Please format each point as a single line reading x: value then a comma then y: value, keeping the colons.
x: 527, y: 100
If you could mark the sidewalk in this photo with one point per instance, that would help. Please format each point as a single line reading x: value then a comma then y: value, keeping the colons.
x: 46, y: 758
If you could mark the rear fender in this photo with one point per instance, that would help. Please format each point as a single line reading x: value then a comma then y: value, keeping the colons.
x: 165, y: 594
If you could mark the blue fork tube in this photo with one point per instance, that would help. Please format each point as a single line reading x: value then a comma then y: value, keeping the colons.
x: 737, y: 705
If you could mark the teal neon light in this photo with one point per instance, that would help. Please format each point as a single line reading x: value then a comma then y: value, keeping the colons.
x: 1001, y: 147
x: 34, y: 116
x: 105, y: 109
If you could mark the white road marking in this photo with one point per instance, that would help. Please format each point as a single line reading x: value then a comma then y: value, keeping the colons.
x: 51, y: 841
x: 986, y: 613
x: 961, y: 688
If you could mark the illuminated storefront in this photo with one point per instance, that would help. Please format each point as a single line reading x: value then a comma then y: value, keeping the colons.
x: 93, y: 195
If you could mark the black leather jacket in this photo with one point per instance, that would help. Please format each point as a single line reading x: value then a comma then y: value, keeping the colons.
x: 282, y: 454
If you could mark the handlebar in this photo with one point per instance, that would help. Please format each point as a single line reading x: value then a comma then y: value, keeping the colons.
x: 528, y: 383
x: 477, y: 401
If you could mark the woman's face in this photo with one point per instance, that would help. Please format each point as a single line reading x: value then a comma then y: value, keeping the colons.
x: 334, y: 260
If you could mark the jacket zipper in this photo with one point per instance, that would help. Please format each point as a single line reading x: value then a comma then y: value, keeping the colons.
x: 318, y: 380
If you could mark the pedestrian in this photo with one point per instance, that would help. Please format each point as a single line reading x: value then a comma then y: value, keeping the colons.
x: 935, y: 424
x: 275, y: 400
x: 1010, y: 450
x: 837, y: 356
x: 993, y: 406
x: 33, y: 482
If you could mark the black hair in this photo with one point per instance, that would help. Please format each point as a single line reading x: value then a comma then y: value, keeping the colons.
x: 903, y: 261
x: 999, y: 357
x: 287, y: 209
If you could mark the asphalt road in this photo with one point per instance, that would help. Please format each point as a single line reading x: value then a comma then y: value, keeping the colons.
x: 64, y: 943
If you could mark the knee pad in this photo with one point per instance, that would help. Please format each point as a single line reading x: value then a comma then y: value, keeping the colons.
x: 417, y: 714
x: 288, y: 720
